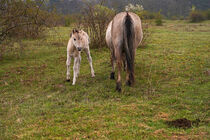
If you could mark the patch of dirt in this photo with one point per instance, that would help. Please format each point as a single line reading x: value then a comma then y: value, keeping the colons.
x: 159, y: 131
x: 183, y: 123
x: 162, y: 115
x: 207, y: 72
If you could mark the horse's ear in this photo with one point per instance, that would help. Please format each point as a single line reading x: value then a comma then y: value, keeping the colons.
x: 70, y: 34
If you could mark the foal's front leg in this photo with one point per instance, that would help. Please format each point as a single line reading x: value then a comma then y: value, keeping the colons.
x: 90, y: 62
x: 76, y: 69
x: 68, y: 62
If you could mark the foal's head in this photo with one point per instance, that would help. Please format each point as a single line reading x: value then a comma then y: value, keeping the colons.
x: 79, y: 39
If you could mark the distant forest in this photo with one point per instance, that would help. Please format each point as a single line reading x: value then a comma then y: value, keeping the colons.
x: 167, y: 7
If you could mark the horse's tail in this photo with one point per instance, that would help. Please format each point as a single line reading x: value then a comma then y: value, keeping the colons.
x: 128, y: 37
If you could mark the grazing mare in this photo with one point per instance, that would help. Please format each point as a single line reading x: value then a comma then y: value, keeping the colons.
x: 79, y: 40
x: 123, y: 35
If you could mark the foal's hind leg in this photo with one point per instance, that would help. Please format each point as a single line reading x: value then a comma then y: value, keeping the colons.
x: 90, y: 61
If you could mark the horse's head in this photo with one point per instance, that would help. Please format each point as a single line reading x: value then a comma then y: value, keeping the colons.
x: 79, y: 39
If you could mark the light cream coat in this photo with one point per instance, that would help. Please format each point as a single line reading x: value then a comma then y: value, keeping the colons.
x: 79, y: 41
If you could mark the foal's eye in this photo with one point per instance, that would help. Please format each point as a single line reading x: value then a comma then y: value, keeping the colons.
x: 74, y: 39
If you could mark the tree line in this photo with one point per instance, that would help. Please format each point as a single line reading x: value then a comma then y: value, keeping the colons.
x: 168, y: 8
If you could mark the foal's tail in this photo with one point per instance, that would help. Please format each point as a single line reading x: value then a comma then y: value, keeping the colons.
x: 128, y: 37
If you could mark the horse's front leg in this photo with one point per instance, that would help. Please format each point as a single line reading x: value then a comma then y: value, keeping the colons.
x: 76, y: 70
x: 90, y: 62
x: 68, y: 62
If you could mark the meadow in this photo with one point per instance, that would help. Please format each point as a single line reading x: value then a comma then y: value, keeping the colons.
x: 172, y: 81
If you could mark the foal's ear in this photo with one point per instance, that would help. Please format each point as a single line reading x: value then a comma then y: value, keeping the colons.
x: 75, y: 31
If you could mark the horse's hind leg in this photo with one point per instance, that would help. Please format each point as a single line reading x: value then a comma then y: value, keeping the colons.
x: 128, y: 81
x: 124, y: 63
x: 113, y: 66
x: 129, y: 77
x: 119, y: 65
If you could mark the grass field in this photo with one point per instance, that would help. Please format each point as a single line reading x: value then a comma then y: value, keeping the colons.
x: 172, y: 82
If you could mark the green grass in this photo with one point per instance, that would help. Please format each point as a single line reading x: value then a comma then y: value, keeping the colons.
x: 172, y: 82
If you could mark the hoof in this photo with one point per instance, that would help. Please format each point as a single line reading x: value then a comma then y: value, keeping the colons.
x: 118, y: 87
x: 93, y: 76
x: 112, y: 76
x: 68, y: 80
x: 128, y: 83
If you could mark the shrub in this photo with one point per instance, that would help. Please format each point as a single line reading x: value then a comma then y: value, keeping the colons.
x: 197, y: 16
x: 146, y: 14
x: 23, y: 19
x: 94, y: 21
x: 158, y: 19
x: 207, y: 14
x: 147, y: 33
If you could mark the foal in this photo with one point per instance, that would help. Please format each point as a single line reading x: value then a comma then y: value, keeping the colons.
x: 79, y: 40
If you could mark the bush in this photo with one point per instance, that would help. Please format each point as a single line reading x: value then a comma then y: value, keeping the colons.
x: 70, y: 19
x: 197, y: 16
x: 24, y: 19
x: 158, y: 20
x: 207, y: 14
x: 146, y: 15
x: 94, y: 21
x: 147, y: 33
